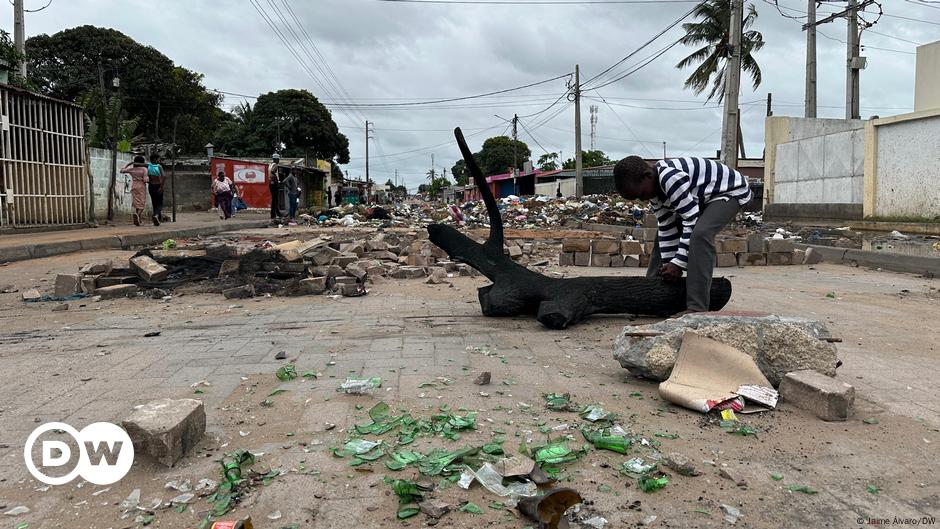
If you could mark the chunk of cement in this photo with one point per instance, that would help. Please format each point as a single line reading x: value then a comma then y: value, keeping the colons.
x: 778, y: 345
x: 148, y: 269
x: 242, y: 292
x: 115, y: 291
x: 167, y: 428
x: 67, y: 285
x: 311, y: 286
x: 828, y: 398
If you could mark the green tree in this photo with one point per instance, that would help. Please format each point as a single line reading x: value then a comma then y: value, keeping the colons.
x: 81, y: 62
x: 397, y: 190
x: 10, y: 60
x: 713, y: 33
x: 497, y: 156
x: 460, y: 172
x: 548, y: 161
x: 595, y: 158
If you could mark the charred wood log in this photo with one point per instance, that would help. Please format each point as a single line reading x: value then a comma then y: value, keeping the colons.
x: 556, y: 303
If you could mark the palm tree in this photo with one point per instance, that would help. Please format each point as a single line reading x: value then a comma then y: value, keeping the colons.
x: 713, y: 31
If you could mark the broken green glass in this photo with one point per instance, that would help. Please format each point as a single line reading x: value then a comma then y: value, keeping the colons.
x: 649, y: 483
x: 286, y: 372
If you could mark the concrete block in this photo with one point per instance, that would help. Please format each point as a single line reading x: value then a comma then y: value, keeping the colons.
x: 108, y: 281
x: 344, y: 259
x: 828, y: 398
x: 631, y: 261
x: 515, y: 251
x: 582, y: 258
x: 724, y: 260
x: 325, y: 271
x: 357, y: 271
x: 116, y: 291
x: 778, y: 245
x: 67, y: 285
x: 417, y: 260
x: 600, y: 259
x: 166, y: 429
x: 606, y: 246
x: 324, y: 255
x: 733, y: 246
x: 616, y: 261
x: 242, y: 292
x: 631, y: 248
x: 576, y: 245
x: 311, y: 286
x: 812, y: 256
x: 780, y: 258
x: 566, y: 259
x: 644, y: 260
x: 148, y: 269
x: 88, y: 284
x: 755, y: 243
x: 381, y: 255
x: 752, y: 259
x: 798, y: 256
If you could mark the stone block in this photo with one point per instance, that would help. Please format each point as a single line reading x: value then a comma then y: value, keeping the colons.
x: 566, y: 259
x: 166, y: 429
x: 733, y: 246
x: 606, y: 246
x: 344, y: 259
x: 631, y: 248
x: 230, y: 267
x: 67, y: 285
x: 616, y: 261
x: 88, y: 284
x: 828, y: 398
x: 515, y: 251
x: 242, y: 292
x: 324, y: 255
x: 631, y: 261
x: 116, y: 291
x: 725, y: 260
x: 779, y: 258
x: 353, y: 248
x: 356, y: 270
x: 600, y: 259
x: 95, y: 269
x: 311, y: 286
x: 576, y: 245
x: 798, y: 257
x: 582, y: 258
x: 376, y: 246
x: 417, y: 260
x: 411, y: 272
x: 381, y: 255
x: 325, y: 271
x: 752, y: 259
x: 778, y: 246
x: 644, y: 260
x: 345, y: 280
x: 812, y: 256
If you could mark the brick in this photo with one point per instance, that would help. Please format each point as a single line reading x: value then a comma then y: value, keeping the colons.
x: 779, y: 258
x: 778, y: 246
x: 733, y: 246
x: 755, y: 243
x: 116, y: 291
x: 631, y: 261
x: 607, y: 246
x: 798, y: 256
x: 311, y: 286
x: 67, y: 285
x: 230, y: 267
x: 631, y: 248
x: 600, y: 259
x: 344, y: 259
x: 724, y: 260
x: 166, y: 429
x: 828, y: 398
x: 582, y: 259
x: 242, y: 292
x: 812, y: 256
x: 616, y: 261
x: 566, y: 259
x: 515, y: 252
x: 576, y: 245
x: 752, y: 259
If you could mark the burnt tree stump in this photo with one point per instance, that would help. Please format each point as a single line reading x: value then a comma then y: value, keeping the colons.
x: 556, y: 303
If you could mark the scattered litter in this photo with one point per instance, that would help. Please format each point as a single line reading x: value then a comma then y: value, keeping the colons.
x: 548, y: 510
x: 648, y: 483
x: 286, y: 372
x: 408, y: 497
x: 18, y: 510
x: 471, y: 508
x: 354, y: 386
x: 605, y: 441
x: 556, y: 402
x: 873, y: 489
x: 801, y: 488
x: 731, y: 513
x: 637, y: 466
x: 594, y: 413
x: 597, y: 522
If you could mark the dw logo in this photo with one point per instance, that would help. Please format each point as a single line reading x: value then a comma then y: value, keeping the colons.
x: 105, y: 453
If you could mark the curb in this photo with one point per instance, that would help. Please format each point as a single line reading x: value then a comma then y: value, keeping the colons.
x: 116, y: 242
x: 911, y: 264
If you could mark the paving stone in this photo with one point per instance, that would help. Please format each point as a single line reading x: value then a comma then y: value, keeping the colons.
x: 67, y: 285
x: 755, y: 243
x: 752, y: 259
x: 566, y: 259
x: 607, y: 246
x: 725, y: 260
x: 734, y: 245
x: 582, y: 258
x: 576, y: 245
x: 828, y: 398
x: 600, y: 259
x: 167, y: 429
x: 778, y: 245
x: 115, y: 291
x: 780, y: 258
x: 631, y: 248
x: 242, y: 292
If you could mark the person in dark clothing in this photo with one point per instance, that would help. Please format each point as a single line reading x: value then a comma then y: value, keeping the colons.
x: 329, y: 197
x: 292, y: 184
x: 155, y: 187
x: 274, y: 185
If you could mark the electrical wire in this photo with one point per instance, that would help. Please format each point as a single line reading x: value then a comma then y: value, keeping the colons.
x: 539, y: 2
x: 629, y: 128
x: 49, y: 3
x: 639, y: 67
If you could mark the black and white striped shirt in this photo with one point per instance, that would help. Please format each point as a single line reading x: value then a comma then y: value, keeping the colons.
x: 687, y: 183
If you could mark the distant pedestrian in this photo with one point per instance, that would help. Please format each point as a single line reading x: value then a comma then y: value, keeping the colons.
x: 222, y: 190
x: 292, y: 185
x: 274, y: 185
x: 558, y: 192
x: 155, y: 187
x: 329, y: 196
x: 138, y: 171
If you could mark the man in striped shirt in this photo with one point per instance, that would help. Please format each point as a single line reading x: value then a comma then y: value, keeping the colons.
x: 693, y: 199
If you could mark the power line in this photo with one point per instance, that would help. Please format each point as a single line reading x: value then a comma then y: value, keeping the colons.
x: 540, y: 2
x: 624, y: 123
x: 639, y: 67
x: 895, y: 38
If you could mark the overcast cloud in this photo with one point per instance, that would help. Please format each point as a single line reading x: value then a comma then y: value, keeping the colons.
x: 384, y: 52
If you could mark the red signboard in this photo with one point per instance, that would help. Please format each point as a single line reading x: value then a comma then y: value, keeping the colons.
x: 251, y: 178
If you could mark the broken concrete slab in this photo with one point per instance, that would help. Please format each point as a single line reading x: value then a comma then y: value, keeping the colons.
x: 344, y: 259
x: 576, y: 245
x: 778, y: 344
x: 812, y: 256
x: 166, y: 429
x: 115, y: 291
x: 67, y: 285
x: 311, y: 286
x: 242, y: 292
x: 323, y: 255
x: 32, y: 295
x: 438, y: 276
x: 828, y: 398
x: 148, y: 269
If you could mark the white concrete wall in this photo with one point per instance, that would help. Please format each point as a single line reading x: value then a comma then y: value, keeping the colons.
x: 568, y: 188
x: 927, y: 78
x: 100, y: 163
x: 824, y: 169
x: 907, y: 167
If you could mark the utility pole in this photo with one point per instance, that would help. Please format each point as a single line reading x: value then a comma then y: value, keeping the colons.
x: 19, y: 33
x: 851, y: 56
x: 770, y: 100
x: 593, y: 109
x: 730, y: 123
x: 664, y: 150
x: 515, y: 139
x: 810, y: 89
x: 578, y: 169
x: 367, y: 161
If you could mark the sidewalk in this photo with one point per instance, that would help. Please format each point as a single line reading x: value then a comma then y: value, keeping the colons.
x: 22, y: 246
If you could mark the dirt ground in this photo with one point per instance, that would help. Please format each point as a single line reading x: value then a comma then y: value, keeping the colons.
x: 428, y: 343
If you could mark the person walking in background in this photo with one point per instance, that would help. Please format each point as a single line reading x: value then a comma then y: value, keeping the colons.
x: 138, y: 171
x: 274, y: 185
x: 292, y: 184
x: 222, y: 190
x: 329, y: 197
x: 155, y: 187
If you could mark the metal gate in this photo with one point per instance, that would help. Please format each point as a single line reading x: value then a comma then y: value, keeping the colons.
x: 43, y: 180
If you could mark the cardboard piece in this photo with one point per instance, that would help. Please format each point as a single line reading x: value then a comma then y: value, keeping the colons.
x: 708, y: 375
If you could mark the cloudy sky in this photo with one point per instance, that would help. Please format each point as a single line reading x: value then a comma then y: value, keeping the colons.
x: 374, y: 52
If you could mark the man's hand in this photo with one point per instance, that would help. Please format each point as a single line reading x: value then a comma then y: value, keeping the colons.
x: 670, y: 272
